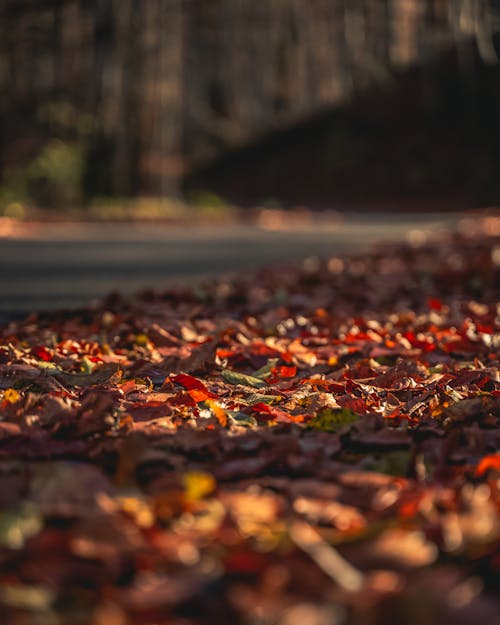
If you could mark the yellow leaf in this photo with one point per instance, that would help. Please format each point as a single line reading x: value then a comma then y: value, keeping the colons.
x: 138, y: 509
x: 332, y: 420
x: 31, y: 598
x: 11, y: 396
x: 198, y: 485
x: 142, y: 340
x: 87, y: 366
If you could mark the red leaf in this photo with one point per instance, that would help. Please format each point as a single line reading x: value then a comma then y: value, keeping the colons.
x: 336, y: 387
x: 43, y: 353
x: 487, y: 463
x: 197, y: 390
x: 265, y: 412
x: 239, y: 561
x: 189, y: 382
x: 434, y: 303
x: 355, y: 404
x: 183, y: 399
x: 284, y: 371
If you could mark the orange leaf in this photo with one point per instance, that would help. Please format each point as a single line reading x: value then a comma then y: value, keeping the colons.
x: 218, y: 411
x: 284, y: 371
x: 11, y: 396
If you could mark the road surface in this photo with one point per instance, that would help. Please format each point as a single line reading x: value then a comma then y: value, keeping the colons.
x: 66, y: 265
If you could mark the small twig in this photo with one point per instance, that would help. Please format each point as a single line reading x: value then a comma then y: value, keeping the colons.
x: 326, y: 557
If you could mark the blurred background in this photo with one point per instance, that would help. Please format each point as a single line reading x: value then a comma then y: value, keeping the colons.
x: 280, y: 101
x: 195, y: 110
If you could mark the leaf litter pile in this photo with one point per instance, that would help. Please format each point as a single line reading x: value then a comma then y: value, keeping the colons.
x: 314, y: 445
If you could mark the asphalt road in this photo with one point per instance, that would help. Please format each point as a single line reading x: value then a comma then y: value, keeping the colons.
x: 63, y: 265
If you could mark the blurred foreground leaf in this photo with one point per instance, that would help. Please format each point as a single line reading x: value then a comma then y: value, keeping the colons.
x: 16, y: 526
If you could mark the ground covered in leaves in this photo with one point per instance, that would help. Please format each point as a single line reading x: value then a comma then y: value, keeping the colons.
x: 314, y: 445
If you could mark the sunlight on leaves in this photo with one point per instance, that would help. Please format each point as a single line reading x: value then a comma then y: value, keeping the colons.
x: 17, y: 526
x: 332, y: 420
x: 31, y: 598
